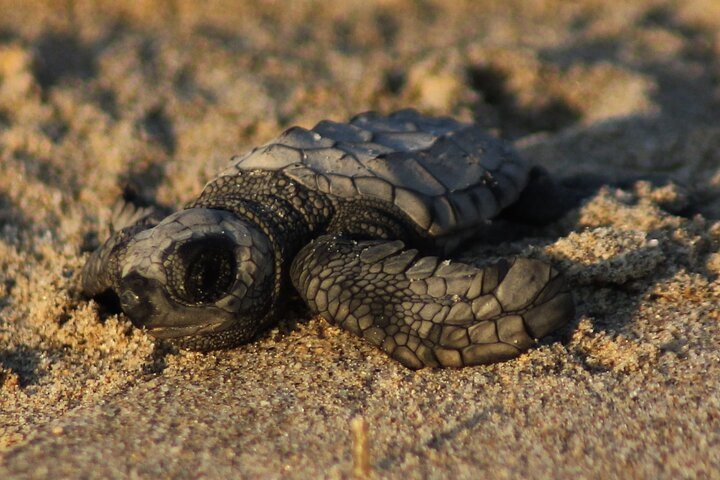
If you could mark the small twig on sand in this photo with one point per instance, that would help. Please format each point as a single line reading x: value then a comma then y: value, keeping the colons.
x: 360, y: 451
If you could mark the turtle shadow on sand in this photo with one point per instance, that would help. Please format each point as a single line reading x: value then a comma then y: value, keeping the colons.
x: 612, y: 267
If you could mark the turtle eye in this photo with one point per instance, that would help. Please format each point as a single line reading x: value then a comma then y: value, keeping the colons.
x: 206, y: 270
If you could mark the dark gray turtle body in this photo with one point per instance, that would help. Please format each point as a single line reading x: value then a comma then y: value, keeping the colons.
x: 332, y: 209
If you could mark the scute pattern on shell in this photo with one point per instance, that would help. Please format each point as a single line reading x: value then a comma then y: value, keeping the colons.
x: 444, y: 174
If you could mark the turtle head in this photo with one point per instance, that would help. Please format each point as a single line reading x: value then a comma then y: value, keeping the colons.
x: 201, y: 277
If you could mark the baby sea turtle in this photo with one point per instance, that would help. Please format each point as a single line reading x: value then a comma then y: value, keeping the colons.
x: 349, y: 213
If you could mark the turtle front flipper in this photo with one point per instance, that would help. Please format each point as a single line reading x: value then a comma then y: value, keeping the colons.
x: 425, y: 312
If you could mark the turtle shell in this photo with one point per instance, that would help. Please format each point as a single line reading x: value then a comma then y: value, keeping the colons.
x: 443, y: 174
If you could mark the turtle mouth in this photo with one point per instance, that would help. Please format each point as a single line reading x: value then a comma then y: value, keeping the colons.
x: 189, y: 331
x: 147, y: 305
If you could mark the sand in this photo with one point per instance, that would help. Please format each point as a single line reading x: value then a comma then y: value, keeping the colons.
x: 95, y: 96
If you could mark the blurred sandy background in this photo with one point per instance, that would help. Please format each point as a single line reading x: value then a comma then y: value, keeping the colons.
x: 158, y: 95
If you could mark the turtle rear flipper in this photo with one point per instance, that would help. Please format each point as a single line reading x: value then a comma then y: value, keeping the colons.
x: 425, y: 312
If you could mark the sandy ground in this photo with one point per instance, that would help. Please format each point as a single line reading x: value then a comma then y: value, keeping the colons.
x: 159, y: 95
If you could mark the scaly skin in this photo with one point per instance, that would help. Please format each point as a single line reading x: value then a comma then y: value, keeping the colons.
x: 425, y: 312
x: 422, y: 311
x: 215, y: 274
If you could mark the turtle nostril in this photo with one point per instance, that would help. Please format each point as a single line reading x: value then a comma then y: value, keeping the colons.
x: 134, y: 307
x: 135, y: 293
x: 129, y: 300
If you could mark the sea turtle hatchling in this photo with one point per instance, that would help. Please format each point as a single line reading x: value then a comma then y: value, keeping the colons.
x: 348, y: 213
